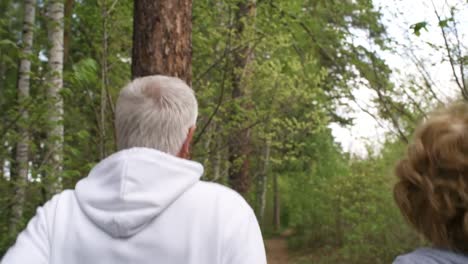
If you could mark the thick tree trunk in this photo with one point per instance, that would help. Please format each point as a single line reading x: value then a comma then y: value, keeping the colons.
x: 239, y: 161
x: 239, y: 141
x: 55, y: 85
x: 22, y: 147
x: 162, y: 38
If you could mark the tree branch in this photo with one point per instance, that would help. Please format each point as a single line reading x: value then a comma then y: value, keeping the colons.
x: 449, y: 53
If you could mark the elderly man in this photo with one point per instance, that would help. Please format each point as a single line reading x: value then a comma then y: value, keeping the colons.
x: 145, y: 203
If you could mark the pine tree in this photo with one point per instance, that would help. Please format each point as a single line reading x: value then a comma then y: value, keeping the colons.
x: 162, y: 38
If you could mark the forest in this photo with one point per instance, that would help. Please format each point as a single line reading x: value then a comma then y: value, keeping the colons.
x: 274, y: 79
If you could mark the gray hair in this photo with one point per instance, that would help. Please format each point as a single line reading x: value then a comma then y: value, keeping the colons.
x: 155, y: 112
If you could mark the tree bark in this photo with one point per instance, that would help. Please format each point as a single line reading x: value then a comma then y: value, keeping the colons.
x: 22, y: 147
x: 239, y: 142
x: 262, y: 183
x: 104, y: 81
x: 339, y: 222
x: 276, y: 204
x: 2, y: 76
x: 217, y: 154
x: 162, y: 38
x: 55, y: 85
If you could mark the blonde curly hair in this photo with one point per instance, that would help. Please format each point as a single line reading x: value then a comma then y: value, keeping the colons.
x: 432, y: 190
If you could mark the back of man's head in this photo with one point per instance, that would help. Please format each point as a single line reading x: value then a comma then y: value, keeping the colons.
x: 155, y: 112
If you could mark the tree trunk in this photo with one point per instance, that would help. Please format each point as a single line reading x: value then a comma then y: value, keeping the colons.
x: 239, y: 141
x: 262, y: 183
x: 55, y: 85
x: 2, y: 80
x: 104, y: 81
x: 162, y: 38
x: 22, y: 147
x: 276, y: 204
x: 217, y: 154
x: 339, y: 223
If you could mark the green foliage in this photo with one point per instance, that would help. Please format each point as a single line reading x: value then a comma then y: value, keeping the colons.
x: 418, y: 27
x: 445, y: 22
x: 356, y: 220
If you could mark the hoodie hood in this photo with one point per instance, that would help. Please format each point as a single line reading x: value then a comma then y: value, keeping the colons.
x: 127, y: 190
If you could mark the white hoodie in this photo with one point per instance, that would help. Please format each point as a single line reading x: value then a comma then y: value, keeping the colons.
x: 142, y: 206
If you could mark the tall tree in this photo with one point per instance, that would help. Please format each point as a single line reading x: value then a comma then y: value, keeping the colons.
x: 55, y: 84
x: 239, y: 141
x: 276, y: 203
x: 262, y: 183
x: 104, y: 78
x: 22, y: 146
x: 162, y: 38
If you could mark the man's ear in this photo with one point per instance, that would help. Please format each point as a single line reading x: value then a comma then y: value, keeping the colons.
x: 185, y: 150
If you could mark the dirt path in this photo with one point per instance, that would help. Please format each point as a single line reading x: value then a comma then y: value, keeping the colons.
x: 277, y: 251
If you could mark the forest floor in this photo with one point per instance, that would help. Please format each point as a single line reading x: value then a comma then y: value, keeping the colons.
x: 278, y: 253
x: 277, y: 250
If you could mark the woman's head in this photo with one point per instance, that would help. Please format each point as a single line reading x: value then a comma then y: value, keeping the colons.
x: 432, y: 191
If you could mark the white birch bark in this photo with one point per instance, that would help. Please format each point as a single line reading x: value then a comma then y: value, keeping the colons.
x: 262, y: 183
x: 22, y: 146
x: 55, y: 84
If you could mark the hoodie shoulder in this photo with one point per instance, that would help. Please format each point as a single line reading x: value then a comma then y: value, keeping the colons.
x: 217, y: 188
x: 66, y: 195
x: 220, y: 194
x: 240, y: 235
x: 59, y: 199
x: 60, y: 204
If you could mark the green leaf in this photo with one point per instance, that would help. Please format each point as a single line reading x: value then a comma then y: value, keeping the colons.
x: 418, y: 26
x: 7, y: 42
x: 444, y: 23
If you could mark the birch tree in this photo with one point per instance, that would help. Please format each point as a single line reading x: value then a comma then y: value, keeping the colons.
x: 55, y: 84
x: 22, y: 146
x: 262, y: 180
